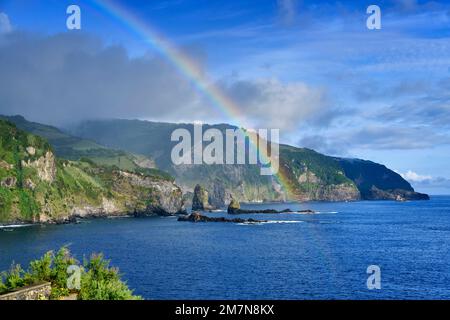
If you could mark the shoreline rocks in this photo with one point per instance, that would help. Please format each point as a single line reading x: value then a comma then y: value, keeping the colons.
x: 235, y: 208
x: 197, y: 217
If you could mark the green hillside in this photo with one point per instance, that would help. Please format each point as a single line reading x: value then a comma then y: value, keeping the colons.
x: 152, y: 139
x: 310, y: 175
x: 35, y: 186
x: 73, y: 148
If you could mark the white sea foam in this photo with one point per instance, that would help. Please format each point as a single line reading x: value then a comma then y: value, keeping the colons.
x: 313, y: 213
x: 249, y: 224
x: 268, y: 222
x: 13, y: 226
x: 328, y: 212
x: 118, y: 217
x: 281, y: 221
x: 302, y: 213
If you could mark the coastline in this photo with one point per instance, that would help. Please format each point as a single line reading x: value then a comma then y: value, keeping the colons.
x: 78, y: 218
x: 163, y: 243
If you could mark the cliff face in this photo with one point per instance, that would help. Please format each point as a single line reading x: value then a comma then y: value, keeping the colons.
x: 307, y: 175
x: 376, y: 182
x: 158, y: 196
x: 37, y: 187
x: 311, y: 176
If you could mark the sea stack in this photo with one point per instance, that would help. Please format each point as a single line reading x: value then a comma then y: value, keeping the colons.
x: 234, y: 206
x: 200, y: 201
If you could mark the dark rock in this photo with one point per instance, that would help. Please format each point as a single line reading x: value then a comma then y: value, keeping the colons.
x: 396, y: 195
x: 306, y: 211
x: 235, y: 208
x: 200, y: 201
x: 9, y: 182
x: 197, y: 217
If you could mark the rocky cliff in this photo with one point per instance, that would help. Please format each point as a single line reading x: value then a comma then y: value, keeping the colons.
x: 311, y: 176
x: 376, y: 182
x: 38, y: 187
x: 307, y: 175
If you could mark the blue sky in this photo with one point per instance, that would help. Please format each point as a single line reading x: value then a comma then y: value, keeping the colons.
x: 310, y: 68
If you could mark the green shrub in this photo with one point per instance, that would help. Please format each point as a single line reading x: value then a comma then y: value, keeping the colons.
x: 41, y: 269
x: 61, y: 261
x: 12, y: 279
x: 99, y: 281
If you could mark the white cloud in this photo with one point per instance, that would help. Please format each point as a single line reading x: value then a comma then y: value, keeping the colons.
x: 412, y: 176
x: 427, y: 183
x: 269, y: 103
x: 5, y: 24
x: 373, y: 137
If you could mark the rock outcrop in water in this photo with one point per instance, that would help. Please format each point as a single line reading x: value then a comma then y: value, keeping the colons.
x: 197, y: 217
x: 200, y: 201
x: 235, y: 208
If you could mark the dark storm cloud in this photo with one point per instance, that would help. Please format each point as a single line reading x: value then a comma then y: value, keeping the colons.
x: 69, y: 77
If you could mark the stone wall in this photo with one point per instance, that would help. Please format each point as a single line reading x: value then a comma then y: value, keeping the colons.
x: 36, y: 292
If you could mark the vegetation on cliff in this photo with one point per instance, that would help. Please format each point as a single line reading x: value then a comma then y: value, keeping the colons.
x: 314, y: 176
x: 37, y: 187
x: 152, y: 139
x: 375, y: 181
x: 98, y: 281
x: 74, y: 148
x: 309, y: 174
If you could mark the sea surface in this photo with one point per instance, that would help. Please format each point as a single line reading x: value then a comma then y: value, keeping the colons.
x: 294, y: 256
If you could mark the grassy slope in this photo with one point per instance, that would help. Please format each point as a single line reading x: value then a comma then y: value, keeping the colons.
x: 17, y: 201
x: 74, y: 148
x: 297, y: 161
x: 153, y: 139
x: 76, y: 184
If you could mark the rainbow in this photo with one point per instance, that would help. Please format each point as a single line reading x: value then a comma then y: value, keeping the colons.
x: 185, y: 66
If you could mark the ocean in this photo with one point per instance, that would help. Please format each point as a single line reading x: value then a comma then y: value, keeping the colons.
x: 292, y: 256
